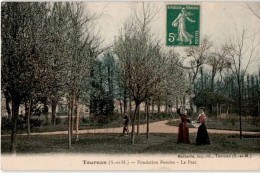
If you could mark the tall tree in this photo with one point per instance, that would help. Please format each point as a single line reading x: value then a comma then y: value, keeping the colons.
x: 84, y: 48
x: 22, y: 66
x: 240, y: 56
x: 196, y: 57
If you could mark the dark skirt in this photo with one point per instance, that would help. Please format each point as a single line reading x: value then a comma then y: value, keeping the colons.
x: 183, y: 133
x: 202, y: 135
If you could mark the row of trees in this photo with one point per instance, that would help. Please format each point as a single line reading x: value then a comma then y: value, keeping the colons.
x: 228, y: 62
x: 146, y: 70
x: 49, y: 52
x: 230, y: 58
x: 226, y: 91
x: 47, y: 49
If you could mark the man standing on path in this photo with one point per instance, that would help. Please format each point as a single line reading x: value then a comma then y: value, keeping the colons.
x: 126, y: 124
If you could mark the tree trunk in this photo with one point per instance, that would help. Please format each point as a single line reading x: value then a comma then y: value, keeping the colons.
x: 130, y: 107
x: 26, y: 109
x: 240, y: 108
x: 109, y: 106
x: 138, y: 123
x: 15, y: 111
x: 125, y: 101
x: 53, y: 112
x: 121, y: 108
x: 184, y: 103
x: 166, y: 107
x: 72, y: 116
x: 191, y: 105
x: 133, y: 125
x: 227, y: 110
x: 7, y: 106
x: 29, y: 118
x: 46, y: 113
x: 177, y: 104
x: 69, y: 124
x: 201, y: 73
x: 212, y: 79
x: 217, y: 109
x: 159, y: 107
x: 152, y: 107
x: 77, y: 118
x: 148, y: 120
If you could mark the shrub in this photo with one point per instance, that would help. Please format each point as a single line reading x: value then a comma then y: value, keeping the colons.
x: 85, y: 120
x: 255, y: 121
x: 57, y: 120
x: 233, y: 121
x: 21, y: 122
x: 5, y: 123
x: 35, y: 122
x: 65, y: 121
x: 102, y: 120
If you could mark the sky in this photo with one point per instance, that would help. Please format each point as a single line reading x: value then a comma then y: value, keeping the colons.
x: 217, y: 22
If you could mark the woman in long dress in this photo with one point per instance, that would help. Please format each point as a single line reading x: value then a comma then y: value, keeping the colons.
x: 202, y: 134
x: 183, y: 131
x: 183, y: 35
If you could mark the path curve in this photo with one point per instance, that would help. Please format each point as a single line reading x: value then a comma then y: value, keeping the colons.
x: 155, y: 127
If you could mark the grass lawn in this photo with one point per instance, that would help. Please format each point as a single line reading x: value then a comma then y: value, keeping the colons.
x: 227, y: 124
x: 114, y: 144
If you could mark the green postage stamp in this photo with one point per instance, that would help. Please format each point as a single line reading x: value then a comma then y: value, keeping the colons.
x: 183, y: 25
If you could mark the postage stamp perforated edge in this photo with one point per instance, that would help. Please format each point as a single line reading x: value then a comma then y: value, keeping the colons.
x: 200, y: 3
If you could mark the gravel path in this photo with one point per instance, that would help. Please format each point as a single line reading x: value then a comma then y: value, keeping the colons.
x: 155, y: 127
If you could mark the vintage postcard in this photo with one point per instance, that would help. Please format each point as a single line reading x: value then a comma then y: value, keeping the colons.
x: 130, y: 85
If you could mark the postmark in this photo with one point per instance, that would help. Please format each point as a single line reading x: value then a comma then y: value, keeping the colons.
x: 183, y: 25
